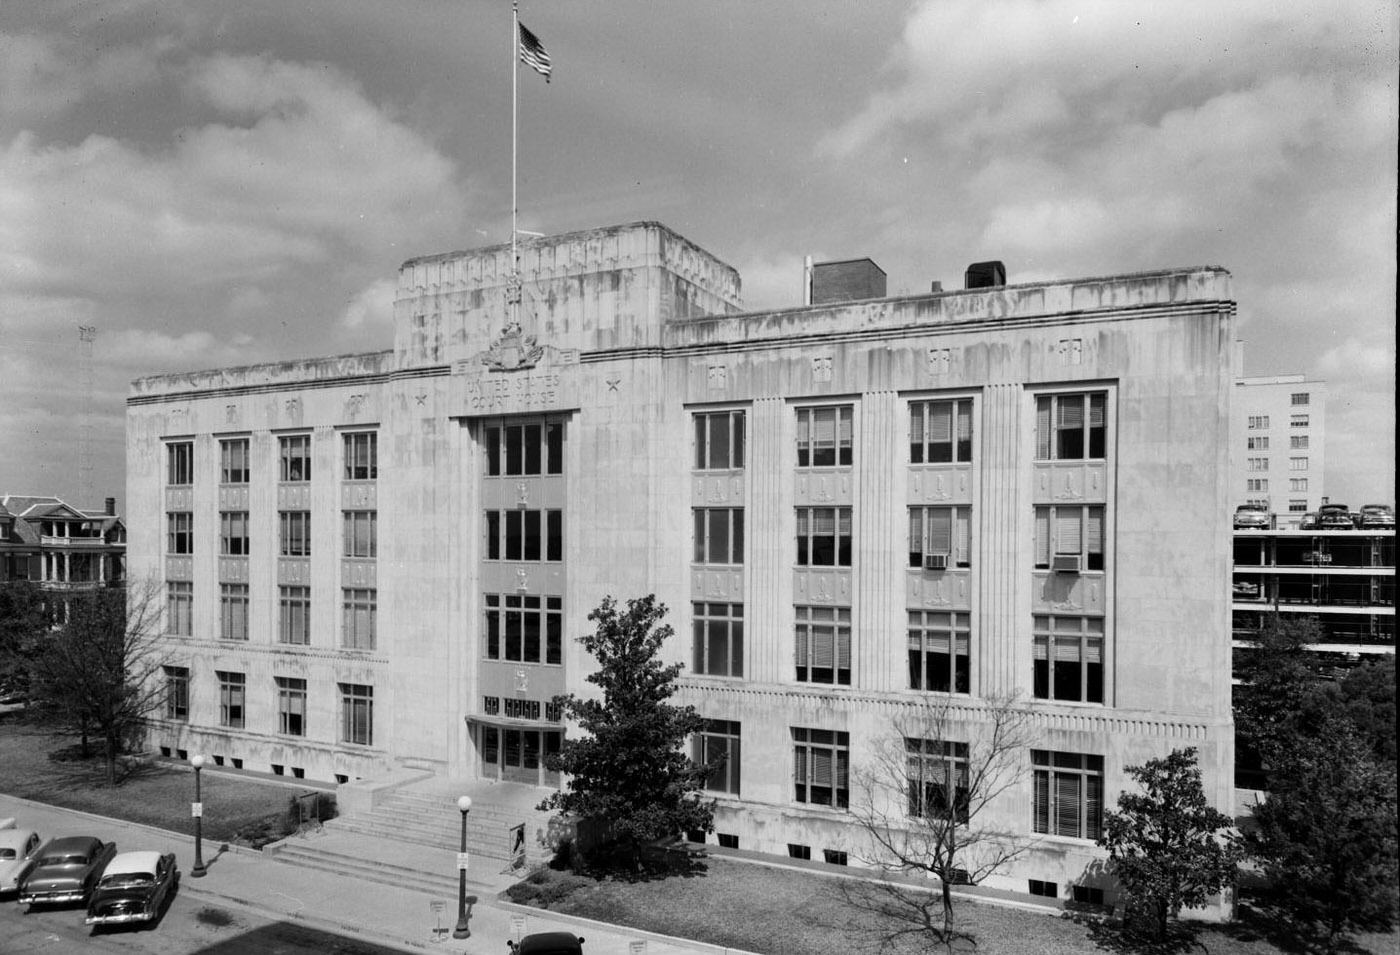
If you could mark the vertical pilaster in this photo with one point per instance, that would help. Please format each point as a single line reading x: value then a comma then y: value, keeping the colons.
x: 1003, y: 604
x: 879, y: 527
x: 770, y: 526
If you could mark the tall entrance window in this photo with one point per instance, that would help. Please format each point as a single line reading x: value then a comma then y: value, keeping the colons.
x: 518, y: 754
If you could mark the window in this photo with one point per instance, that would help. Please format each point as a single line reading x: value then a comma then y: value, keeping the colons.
x: 1257, y: 444
x: 936, y: 779
x: 719, y: 441
x: 294, y: 451
x: 1298, y: 484
x: 361, y: 456
x: 294, y: 533
x: 233, y: 461
x: 233, y: 611
x: 719, y: 535
x: 1260, y: 502
x: 179, y: 460
x: 824, y: 645
x: 360, y: 609
x: 719, y: 639
x: 940, y: 432
x: 357, y: 714
x: 179, y: 608
x: 719, y: 741
x: 1258, y: 421
x: 179, y: 532
x: 233, y: 533
x: 1297, y: 507
x: 361, y: 533
x: 1298, y: 398
x: 1069, y: 531
x: 938, y: 652
x: 1258, y: 464
x: 1068, y: 658
x: 1298, y: 442
x: 524, y: 628
x: 940, y: 531
x: 291, y: 706
x: 231, y: 699
x: 824, y: 536
x: 1297, y: 464
x: 1257, y: 485
x: 524, y: 535
x: 294, y: 615
x: 1068, y: 793
x: 177, y: 693
x: 824, y: 437
x: 821, y: 766
x: 524, y: 448
x: 1070, y: 427
x: 1298, y: 421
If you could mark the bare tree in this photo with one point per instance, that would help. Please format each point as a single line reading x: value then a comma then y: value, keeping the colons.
x: 102, y: 669
x: 925, y: 800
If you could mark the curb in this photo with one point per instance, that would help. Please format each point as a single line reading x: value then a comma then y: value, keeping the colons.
x: 616, y: 928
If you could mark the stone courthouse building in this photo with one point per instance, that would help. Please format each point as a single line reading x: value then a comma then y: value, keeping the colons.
x: 851, y: 507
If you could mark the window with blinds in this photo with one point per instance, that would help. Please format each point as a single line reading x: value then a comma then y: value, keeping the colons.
x: 294, y: 615
x: 718, y: 639
x: 359, y: 618
x: 294, y: 458
x: 233, y: 611
x: 1068, y: 798
x: 361, y: 537
x: 357, y: 714
x: 361, y: 456
x: 823, y: 645
x: 824, y: 437
x: 936, y: 779
x: 233, y: 533
x: 179, y: 460
x: 1071, y: 427
x: 945, y: 531
x: 718, y: 745
x: 294, y: 533
x: 1068, y: 658
x: 179, y: 607
x: 233, y: 461
x: 1070, y: 530
x: 821, y: 767
x: 938, y: 651
x: 824, y: 537
x: 940, y: 432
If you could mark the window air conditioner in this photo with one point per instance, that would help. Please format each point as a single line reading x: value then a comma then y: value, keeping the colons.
x: 1067, y: 563
x: 935, y: 562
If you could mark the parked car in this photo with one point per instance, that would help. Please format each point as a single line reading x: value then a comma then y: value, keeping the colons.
x: 66, y: 870
x: 1378, y: 516
x: 1253, y: 515
x: 1334, y: 517
x: 133, y: 888
x: 1308, y: 522
x: 18, y: 847
x: 548, y: 943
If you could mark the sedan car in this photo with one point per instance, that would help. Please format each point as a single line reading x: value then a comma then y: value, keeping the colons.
x: 133, y: 888
x: 1334, y: 517
x: 1253, y: 515
x: 66, y: 870
x: 1377, y: 516
x: 18, y: 847
x: 548, y: 943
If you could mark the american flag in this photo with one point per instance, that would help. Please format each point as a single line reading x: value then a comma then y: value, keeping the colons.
x: 533, y: 54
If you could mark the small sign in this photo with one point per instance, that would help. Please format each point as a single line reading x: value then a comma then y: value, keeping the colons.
x: 637, y: 948
x: 196, y: 810
x: 517, y: 926
x: 463, y: 861
x: 437, y: 905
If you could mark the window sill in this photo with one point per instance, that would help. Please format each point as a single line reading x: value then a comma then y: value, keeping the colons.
x: 1067, y: 842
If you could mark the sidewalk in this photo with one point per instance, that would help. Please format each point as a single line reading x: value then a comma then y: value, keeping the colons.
x: 368, y: 911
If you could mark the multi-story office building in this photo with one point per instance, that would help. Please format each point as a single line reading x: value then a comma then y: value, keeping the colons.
x: 60, y: 547
x: 1278, y: 445
x: 850, y: 508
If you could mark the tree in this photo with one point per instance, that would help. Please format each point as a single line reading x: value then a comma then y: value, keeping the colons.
x: 924, y: 796
x: 1366, y: 696
x: 1281, y: 690
x: 1326, y: 833
x: 23, y: 626
x: 630, y: 770
x: 1164, y: 844
x: 102, y: 668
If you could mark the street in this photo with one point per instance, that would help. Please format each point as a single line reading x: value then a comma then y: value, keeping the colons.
x: 188, y: 926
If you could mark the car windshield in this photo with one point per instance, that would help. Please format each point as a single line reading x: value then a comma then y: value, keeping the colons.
x: 126, y: 880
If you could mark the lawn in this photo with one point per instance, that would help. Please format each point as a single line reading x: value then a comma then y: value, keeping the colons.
x: 788, y: 912
x: 42, y: 764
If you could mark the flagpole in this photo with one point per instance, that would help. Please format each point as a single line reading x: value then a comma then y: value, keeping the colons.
x: 513, y: 296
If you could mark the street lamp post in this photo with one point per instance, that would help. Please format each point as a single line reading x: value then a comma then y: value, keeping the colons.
x: 197, y: 810
x: 462, y: 930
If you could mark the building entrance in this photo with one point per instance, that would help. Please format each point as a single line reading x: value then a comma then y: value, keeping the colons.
x: 517, y: 755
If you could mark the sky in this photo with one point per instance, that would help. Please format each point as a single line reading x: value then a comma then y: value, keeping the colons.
x: 213, y: 183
